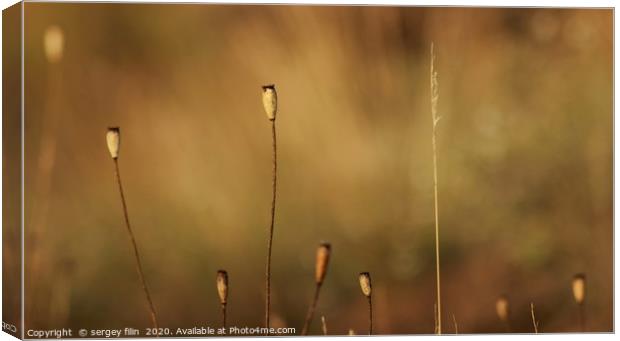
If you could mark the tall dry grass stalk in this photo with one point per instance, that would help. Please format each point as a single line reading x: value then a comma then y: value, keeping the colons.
x: 270, y: 104
x: 113, y: 139
x: 323, y: 325
x: 502, y: 307
x: 456, y: 326
x: 222, y: 292
x: 322, y: 260
x: 579, y: 294
x: 366, y: 286
x: 434, y: 100
x: 534, y: 322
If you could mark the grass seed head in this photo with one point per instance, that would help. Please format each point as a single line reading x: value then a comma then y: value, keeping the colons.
x: 270, y: 101
x: 322, y: 259
x: 113, y: 137
x: 579, y: 288
x: 222, y: 286
x: 503, y: 308
x: 365, y: 284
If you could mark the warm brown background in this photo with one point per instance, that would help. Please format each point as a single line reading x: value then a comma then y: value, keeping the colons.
x: 525, y: 163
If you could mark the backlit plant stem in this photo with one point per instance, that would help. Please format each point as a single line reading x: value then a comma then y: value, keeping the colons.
x: 135, y: 248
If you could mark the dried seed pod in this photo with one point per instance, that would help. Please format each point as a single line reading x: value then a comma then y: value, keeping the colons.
x: 365, y: 283
x: 113, y: 137
x: 503, y: 308
x: 322, y: 259
x: 579, y: 288
x: 53, y: 43
x: 222, y: 286
x: 270, y: 101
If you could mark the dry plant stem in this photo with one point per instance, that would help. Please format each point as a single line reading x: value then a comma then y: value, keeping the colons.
x: 507, y: 326
x: 370, y: 315
x: 534, y: 318
x: 456, y: 326
x: 582, y: 318
x: 135, y: 248
x: 224, y: 315
x: 310, y: 314
x: 435, y: 316
x: 324, y: 325
x: 434, y: 99
x: 273, y: 216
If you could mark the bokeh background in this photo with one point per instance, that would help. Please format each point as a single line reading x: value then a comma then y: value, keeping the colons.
x: 525, y: 164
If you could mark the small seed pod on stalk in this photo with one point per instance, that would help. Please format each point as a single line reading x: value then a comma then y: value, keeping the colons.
x: 270, y: 101
x: 322, y: 260
x: 502, y: 307
x: 53, y: 43
x: 366, y: 286
x: 579, y: 288
x: 113, y: 138
x: 579, y: 294
x: 222, y: 292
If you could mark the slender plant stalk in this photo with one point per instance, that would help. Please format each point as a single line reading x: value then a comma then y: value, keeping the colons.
x: 369, y: 314
x: 322, y: 259
x: 223, y: 315
x: 221, y: 282
x: 456, y: 326
x: 273, y: 216
x: 135, y: 248
x: 434, y: 100
x: 324, y: 325
x: 435, y: 317
x: 579, y: 293
x: 534, y: 322
x: 315, y: 299
x: 582, y: 317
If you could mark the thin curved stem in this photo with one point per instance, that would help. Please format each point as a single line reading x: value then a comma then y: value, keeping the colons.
x: 135, y: 248
x: 311, y: 308
x: 273, y: 216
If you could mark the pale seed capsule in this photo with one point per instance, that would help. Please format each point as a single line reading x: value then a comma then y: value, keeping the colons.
x: 579, y: 288
x: 53, y: 43
x: 365, y: 283
x: 503, y: 308
x: 113, y: 137
x: 222, y: 286
x: 322, y: 259
x: 270, y: 101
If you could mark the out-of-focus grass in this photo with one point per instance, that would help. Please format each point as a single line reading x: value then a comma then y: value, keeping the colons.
x: 525, y: 149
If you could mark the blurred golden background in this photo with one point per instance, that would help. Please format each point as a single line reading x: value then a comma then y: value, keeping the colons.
x: 525, y: 164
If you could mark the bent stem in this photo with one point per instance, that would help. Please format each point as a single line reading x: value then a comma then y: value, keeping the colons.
x: 135, y: 248
x: 273, y: 215
x: 311, y: 308
x: 534, y: 322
